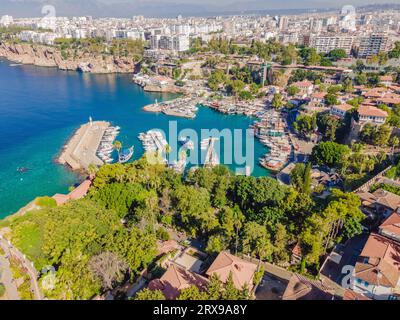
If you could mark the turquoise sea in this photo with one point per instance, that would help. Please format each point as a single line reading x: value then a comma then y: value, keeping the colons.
x: 41, y: 107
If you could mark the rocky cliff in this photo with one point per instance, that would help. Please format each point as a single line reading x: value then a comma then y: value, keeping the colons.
x: 47, y: 56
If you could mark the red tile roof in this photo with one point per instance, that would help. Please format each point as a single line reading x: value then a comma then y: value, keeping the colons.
x: 351, y: 295
x: 343, y: 107
x: 78, y: 193
x: 302, y: 84
x: 242, y: 271
x: 371, y: 111
x: 175, y: 279
x: 379, y: 262
x: 392, y: 224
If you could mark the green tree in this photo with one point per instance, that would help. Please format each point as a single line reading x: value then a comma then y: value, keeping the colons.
x: 191, y: 293
x: 329, y: 153
x: 214, y: 288
x: 117, y: 146
x: 292, y: 90
x: 331, y: 99
x: 280, y: 252
x: 147, y: 294
x: 230, y: 291
x: 277, y: 102
x: 256, y: 241
x: 305, y: 124
x: 337, y: 54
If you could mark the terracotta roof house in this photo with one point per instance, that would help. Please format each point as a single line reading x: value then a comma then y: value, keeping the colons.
x: 372, y: 115
x: 380, y: 202
x: 377, y: 271
x: 340, y: 110
x: 318, y: 98
x: 301, y: 288
x: 167, y: 246
x: 306, y: 87
x: 390, y: 228
x: 176, y: 279
x: 242, y: 271
x: 375, y: 93
x: 386, y: 201
x: 386, y: 80
x: 351, y: 295
x: 78, y: 193
x: 389, y: 99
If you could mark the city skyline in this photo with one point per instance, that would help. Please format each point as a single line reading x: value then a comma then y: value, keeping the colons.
x: 168, y: 8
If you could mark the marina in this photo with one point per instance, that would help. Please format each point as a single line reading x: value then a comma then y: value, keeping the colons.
x: 181, y: 107
x: 154, y: 142
x: 106, y: 146
x: 270, y: 128
x: 43, y: 122
x: 254, y: 108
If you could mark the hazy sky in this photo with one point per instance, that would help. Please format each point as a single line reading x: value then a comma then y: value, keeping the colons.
x: 167, y: 7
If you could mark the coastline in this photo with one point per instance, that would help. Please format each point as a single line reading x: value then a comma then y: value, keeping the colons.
x: 47, y: 56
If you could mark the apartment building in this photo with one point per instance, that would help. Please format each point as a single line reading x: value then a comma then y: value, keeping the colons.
x: 372, y: 44
x: 178, y: 43
x: 325, y: 44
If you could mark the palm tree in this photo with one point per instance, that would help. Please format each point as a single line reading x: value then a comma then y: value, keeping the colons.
x: 394, y: 143
x: 92, y: 170
x: 167, y: 150
x: 117, y: 146
x: 238, y: 218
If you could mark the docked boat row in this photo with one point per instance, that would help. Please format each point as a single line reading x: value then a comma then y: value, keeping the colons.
x: 106, y: 146
x: 154, y: 141
x: 272, y: 132
x: 182, y: 107
x: 238, y: 108
x: 279, y: 154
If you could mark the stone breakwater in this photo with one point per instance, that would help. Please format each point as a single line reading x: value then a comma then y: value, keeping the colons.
x: 47, y: 56
x: 80, y: 151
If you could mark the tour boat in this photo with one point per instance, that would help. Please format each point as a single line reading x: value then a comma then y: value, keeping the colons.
x: 125, y: 155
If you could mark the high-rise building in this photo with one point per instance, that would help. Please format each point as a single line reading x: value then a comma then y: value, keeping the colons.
x: 326, y: 44
x: 178, y: 43
x: 372, y: 44
x: 283, y: 23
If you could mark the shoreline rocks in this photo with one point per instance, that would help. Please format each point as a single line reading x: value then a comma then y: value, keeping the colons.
x: 46, y: 56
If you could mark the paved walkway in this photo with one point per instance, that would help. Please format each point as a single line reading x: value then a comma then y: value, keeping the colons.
x: 7, y: 280
x: 28, y: 265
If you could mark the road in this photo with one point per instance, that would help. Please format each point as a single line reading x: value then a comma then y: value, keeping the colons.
x: 7, y: 280
x: 10, y: 250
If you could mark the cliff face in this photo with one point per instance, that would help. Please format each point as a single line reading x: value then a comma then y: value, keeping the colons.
x: 46, y: 56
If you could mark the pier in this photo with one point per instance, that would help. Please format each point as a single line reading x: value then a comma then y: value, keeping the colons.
x: 81, y: 149
x: 181, y: 107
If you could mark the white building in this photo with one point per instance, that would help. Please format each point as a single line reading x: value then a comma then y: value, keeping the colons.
x: 178, y: 43
x: 377, y: 274
x: 6, y: 20
x: 326, y: 44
